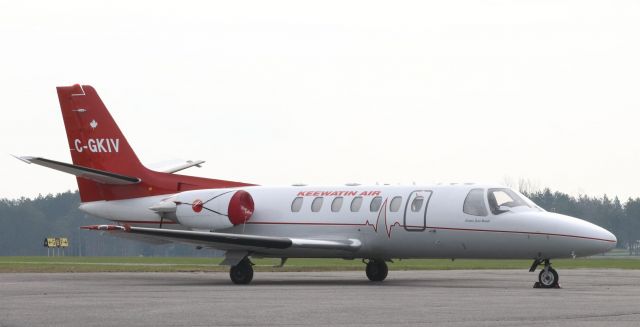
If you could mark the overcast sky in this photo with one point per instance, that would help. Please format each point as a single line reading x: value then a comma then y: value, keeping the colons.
x: 330, y: 92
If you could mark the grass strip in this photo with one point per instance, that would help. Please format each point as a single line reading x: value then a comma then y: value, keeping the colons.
x: 181, y: 264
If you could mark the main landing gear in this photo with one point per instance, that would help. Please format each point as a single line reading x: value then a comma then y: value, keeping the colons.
x: 242, y: 273
x: 377, y: 270
x: 548, y: 277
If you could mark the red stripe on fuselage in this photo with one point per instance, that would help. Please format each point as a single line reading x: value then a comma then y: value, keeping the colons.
x: 431, y: 227
x: 390, y: 227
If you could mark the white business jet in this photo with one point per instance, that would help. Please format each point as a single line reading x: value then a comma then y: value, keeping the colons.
x: 372, y: 223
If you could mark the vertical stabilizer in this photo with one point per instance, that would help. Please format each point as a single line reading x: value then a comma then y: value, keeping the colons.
x: 95, y: 140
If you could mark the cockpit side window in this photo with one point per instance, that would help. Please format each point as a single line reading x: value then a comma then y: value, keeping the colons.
x: 474, y: 203
x: 504, y: 197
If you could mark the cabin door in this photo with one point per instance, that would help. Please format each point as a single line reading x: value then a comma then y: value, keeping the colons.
x: 415, y: 210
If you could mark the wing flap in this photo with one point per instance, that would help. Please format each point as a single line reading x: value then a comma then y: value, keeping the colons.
x: 139, y: 238
x: 350, y: 245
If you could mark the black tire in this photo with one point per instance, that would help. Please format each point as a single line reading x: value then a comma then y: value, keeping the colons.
x: 548, y: 278
x: 242, y: 273
x: 377, y: 270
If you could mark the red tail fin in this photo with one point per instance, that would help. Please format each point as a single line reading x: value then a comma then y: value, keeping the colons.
x: 94, y: 137
x: 96, y: 142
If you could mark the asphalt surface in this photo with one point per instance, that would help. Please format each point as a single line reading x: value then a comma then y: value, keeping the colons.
x: 439, y: 298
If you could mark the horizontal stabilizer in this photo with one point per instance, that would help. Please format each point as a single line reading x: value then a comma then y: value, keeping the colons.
x: 99, y: 176
x: 174, y: 166
x: 228, y: 241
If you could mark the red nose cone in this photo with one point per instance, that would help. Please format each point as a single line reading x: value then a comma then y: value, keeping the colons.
x: 240, y: 207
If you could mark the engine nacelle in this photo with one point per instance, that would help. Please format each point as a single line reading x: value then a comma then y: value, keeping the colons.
x: 213, y: 209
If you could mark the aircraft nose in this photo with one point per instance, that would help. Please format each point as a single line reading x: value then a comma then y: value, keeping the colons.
x: 607, y: 240
x: 613, y: 240
x: 592, y: 239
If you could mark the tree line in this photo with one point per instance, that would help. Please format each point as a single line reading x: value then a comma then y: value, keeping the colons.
x: 27, y: 222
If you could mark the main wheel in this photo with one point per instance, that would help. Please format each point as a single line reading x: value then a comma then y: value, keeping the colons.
x: 242, y: 273
x: 548, y: 278
x: 377, y: 270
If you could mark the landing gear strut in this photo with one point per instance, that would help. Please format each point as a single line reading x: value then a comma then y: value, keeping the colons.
x: 242, y: 273
x: 548, y: 277
x: 377, y: 270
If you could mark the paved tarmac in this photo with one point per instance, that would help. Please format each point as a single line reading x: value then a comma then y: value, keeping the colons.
x: 438, y: 298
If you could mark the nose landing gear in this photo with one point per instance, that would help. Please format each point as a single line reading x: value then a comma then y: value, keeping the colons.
x: 548, y: 277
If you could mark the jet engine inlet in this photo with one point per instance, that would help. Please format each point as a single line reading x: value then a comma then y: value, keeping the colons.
x: 240, y: 207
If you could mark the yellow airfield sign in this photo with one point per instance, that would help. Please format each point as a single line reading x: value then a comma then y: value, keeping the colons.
x: 56, y: 242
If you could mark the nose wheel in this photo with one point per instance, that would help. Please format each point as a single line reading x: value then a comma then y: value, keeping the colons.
x: 377, y: 270
x: 242, y: 273
x: 548, y: 277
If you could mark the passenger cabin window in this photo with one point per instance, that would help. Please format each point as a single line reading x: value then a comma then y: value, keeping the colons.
x: 474, y: 203
x: 504, y: 197
x: 337, y: 204
x: 356, y: 203
x: 375, y: 204
x: 396, y: 202
x: 316, y: 205
x: 296, y: 205
x: 416, y: 205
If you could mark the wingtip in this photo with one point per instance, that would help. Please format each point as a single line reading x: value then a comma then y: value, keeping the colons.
x: 197, y: 163
x: 26, y: 159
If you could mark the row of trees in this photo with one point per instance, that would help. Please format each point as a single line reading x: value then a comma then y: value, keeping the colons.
x: 26, y: 222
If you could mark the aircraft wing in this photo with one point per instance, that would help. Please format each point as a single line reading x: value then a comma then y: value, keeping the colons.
x: 228, y: 241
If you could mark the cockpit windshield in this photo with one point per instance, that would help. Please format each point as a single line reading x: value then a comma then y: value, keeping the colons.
x: 529, y: 202
x: 506, y: 197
